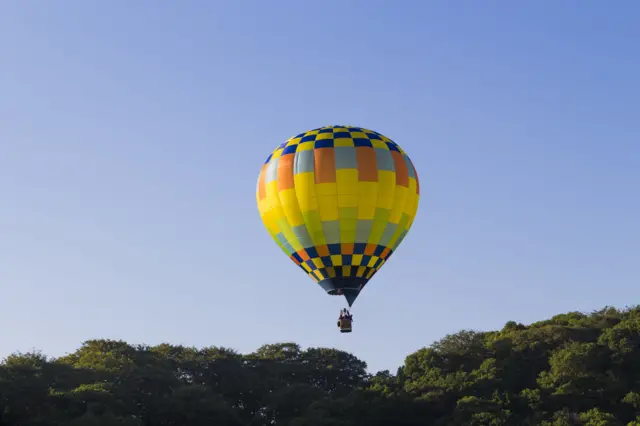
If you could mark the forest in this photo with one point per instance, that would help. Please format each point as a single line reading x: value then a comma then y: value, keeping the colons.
x: 573, y: 369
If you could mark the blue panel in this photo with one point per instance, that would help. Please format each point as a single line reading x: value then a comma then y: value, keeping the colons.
x: 312, y: 252
x: 359, y: 248
x: 362, y: 142
x: 326, y: 260
x: 335, y: 248
x: 392, y: 146
x: 324, y: 143
x: 374, y: 136
x: 342, y: 135
x: 290, y: 149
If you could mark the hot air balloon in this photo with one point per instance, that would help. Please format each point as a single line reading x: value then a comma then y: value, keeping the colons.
x: 338, y: 200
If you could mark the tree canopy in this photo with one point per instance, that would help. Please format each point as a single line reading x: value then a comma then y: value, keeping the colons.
x: 573, y: 369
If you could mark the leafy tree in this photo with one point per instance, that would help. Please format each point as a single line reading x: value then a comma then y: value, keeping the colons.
x: 573, y: 369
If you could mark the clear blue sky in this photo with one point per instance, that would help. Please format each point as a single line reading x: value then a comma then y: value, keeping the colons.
x: 132, y: 134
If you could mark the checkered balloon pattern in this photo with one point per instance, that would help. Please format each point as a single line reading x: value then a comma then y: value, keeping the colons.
x: 338, y: 200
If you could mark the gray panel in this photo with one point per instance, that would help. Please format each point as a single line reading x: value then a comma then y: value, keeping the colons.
x: 272, y: 170
x: 331, y: 231
x: 363, y: 230
x: 303, y: 162
x: 346, y: 157
x: 285, y: 243
x: 302, y: 234
x: 385, y: 160
x: 387, y: 234
x: 412, y: 171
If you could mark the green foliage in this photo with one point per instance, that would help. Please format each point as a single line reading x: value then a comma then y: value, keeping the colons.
x: 574, y: 369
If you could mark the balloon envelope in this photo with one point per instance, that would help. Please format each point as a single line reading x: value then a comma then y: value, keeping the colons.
x: 338, y: 200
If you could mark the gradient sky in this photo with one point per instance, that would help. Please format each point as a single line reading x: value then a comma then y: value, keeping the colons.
x: 132, y: 134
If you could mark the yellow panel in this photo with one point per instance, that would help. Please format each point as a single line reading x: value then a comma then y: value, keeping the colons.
x: 272, y: 189
x: 346, y: 270
x: 384, y: 203
x: 343, y: 142
x: 326, y: 189
x: 386, y: 188
x: 262, y: 205
x: 306, y: 146
x: 328, y: 207
x: 396, y: 235
x: 267, y: 219
x: 360, y: 271
x: 272, y: 195
x: 348, y: 230
x: 291, y: 238
x: 336, y: 259
x: 322, y: 136
x: 366, y: 206
x: 277, y: 154
x: 379, y: 144
x: 291, y: 208
x: 367, y: 199
x: 348, y: 200
x: 398, y: 204
x: 408, y: 203
x: 308, y: 204
x: 318, y: 262
x: 278, y: 216
x: 377, y: 230
x: 347, y: 181
x: 314, y: 226
x: 305, y: 191
x: 357, y: 259
x: 368, y: 188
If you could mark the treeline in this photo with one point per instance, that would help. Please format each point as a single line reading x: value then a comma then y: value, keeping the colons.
x: 574, y: 369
